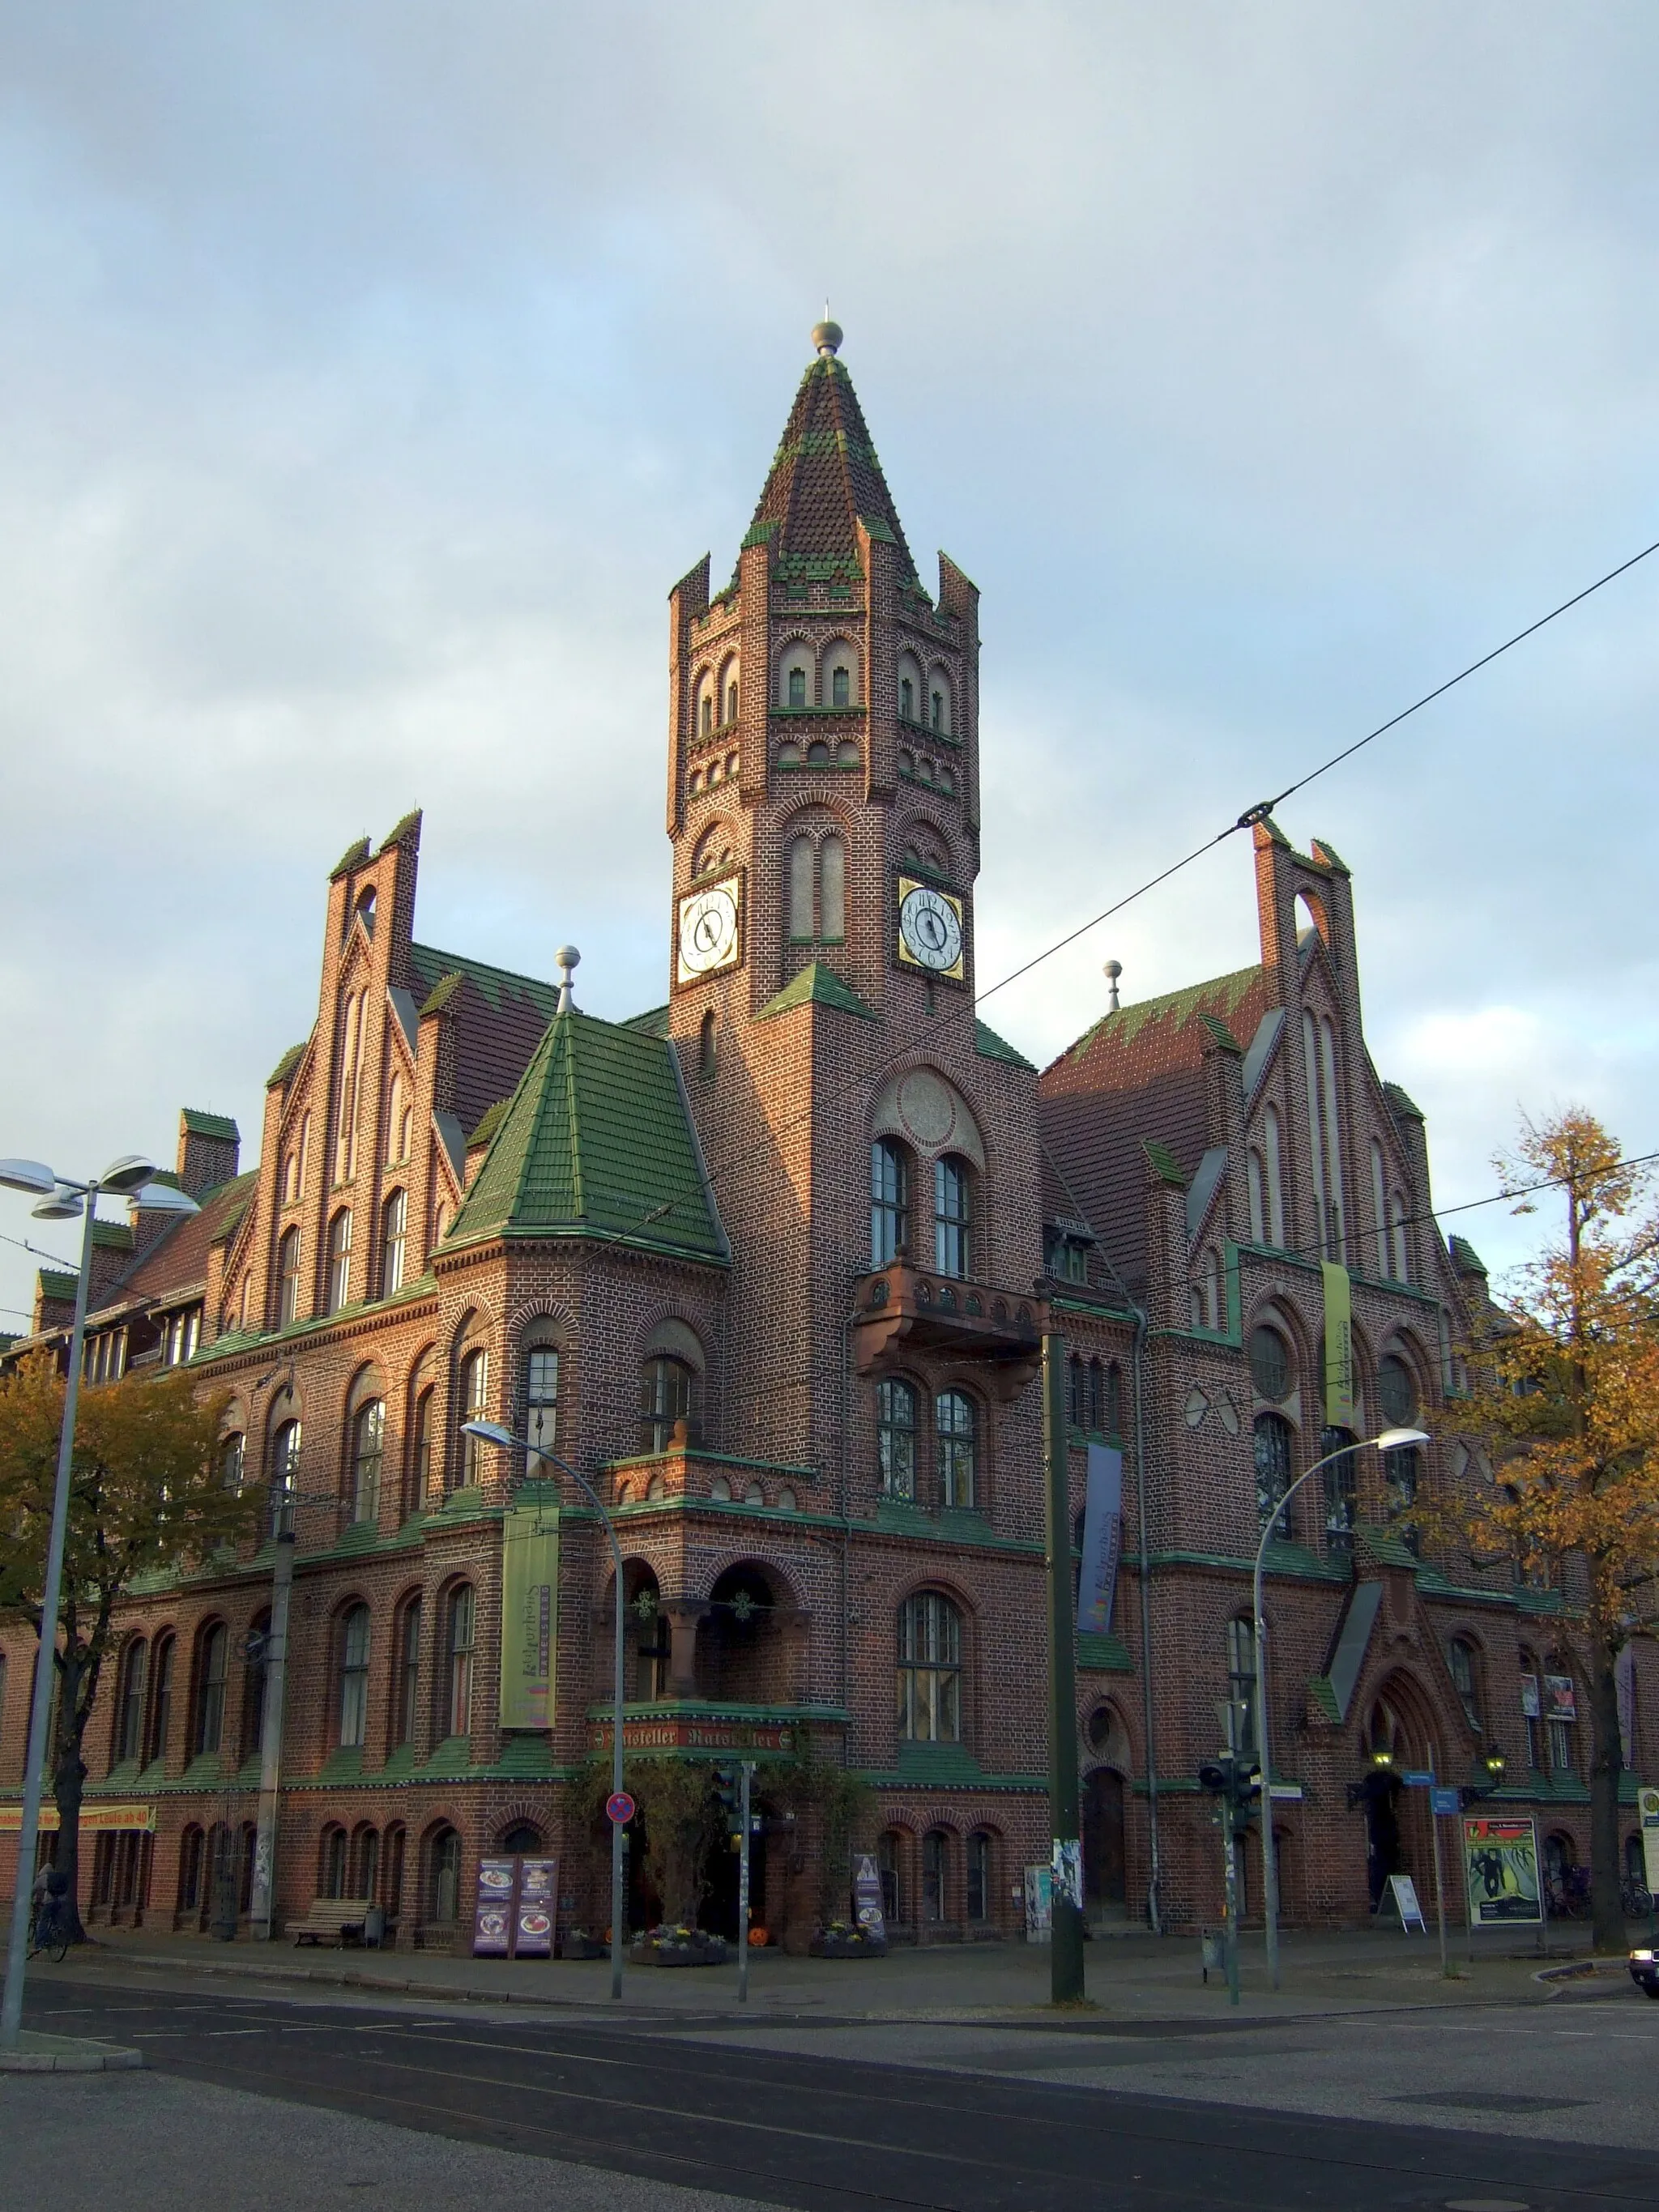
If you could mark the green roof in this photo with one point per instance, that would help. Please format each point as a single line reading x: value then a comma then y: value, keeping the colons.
x: 989, y: 1046
x: 409, y: 827
x: 210, y: 1125
x: 353, y: 857
x: 653, y: 1022
x: 111, y: 1236
x: 286, y: 1066
x: 1163, y: 1163
x: 817, y: 985
x: 1221, y: 998
x: 1465, y: 1258
x: 58, y: 1285
x: 489, y: 1123
x: 595, y: 1141
x: 1400, y: 1103
x: 432, y: 967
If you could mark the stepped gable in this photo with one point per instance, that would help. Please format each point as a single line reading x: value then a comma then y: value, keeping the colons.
x: 1136, y: 1077
x: 595, y: 1140
x: 500, y: 1019
x: 824, y: 477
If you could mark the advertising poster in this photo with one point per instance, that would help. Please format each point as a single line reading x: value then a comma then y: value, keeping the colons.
x: 867, y: 1910
x: 1039, y: 1905
x: 96, y: 1820
x: 1102, y: 1534
x: 1339, y: 1346
x: 1500, y: 1868
x: 1647, y: 1806
x: 492, y: 1916
x: 1529, y: 1706
x: 530, y: 1607
x: 533, y: 1918
x: 1559, y: 1703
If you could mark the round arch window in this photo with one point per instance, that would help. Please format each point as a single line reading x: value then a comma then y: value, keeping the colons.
x: 1396, y: 1392
x: 1270, y: 1363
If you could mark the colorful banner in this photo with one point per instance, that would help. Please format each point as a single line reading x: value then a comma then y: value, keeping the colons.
x: 867, y: 1908
x: 513, y: 1917
x: 1559, y: 1703
x: 530, y: 1612
x: 492, y: 1913
x: 1102, y: 1534
x: 1339, y: 1346
x: 1500, y: 1872
x: 532, y: 1916
x: 96, y: 1820
x: 1647, y: 1806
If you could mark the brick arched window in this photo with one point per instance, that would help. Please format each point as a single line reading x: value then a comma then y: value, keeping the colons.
x: 474, y: 1395
x: 890, y: 1200
x: 129, y: 1701
x: 367, y: 1457
x: 1271, y: 1441
x: 895, y: 1437
x: 354, y: 1676
x: 212, y: 1659
x: 288, y: 1276
x: 956, y: 1436
x: 460, y: 1621
x: 953, y: 1184
x: 394, y: 1242
x: 162, y: 1662
x: 667, y: 1395
x: 929, y: 1669
x: 337, y: 1290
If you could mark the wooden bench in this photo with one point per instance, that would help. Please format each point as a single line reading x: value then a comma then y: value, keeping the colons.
x: 331, y: 1920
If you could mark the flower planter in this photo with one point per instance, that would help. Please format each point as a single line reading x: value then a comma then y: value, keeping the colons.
x: 583, y: 1947
x: 680, y: 1947
x: 844, y: 1943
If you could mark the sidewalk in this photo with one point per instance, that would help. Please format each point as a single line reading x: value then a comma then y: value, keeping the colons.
x: 1131, y: 1976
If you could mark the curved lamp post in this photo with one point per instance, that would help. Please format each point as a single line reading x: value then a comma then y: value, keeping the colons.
x: 1390, y: 1440
x: 493, y: 1432
x: 61, y: 1198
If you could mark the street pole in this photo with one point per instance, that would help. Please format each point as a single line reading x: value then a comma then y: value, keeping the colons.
x: 1066, y: 1954
x: 746, y: 1771
x: 263, y: 1902
x: 23, y: 1900
x: 1229, y: 1876
x: 1439, y: 1891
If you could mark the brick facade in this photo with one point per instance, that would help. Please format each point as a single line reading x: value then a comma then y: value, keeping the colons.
x: 695, y: 1187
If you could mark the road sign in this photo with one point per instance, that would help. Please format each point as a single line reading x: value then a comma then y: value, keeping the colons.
x: 620, y: 1808
x: 1446, y: 1801
x: 1418, y: 1778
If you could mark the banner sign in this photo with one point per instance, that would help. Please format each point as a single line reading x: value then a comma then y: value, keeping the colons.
x: 1039, y: 1905
x: 96, y: 1820
x: 1647, y: 1808
x: 1102, y: 1535
x: 695, y: 1735
x: 529, y: 1610
x: 1445, y: 1802
x: 1529, y: 1705
x: 1404, y: 1891
x: 867, y: 1909
x: 513, y: 1917
x: 1500, y: 1871
x: 1559, y: 1703
x: 1339, y: 1346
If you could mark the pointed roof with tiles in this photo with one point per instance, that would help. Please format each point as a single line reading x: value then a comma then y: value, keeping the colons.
x: 825, y: 478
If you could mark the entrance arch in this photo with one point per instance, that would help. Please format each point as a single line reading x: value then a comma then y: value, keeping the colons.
x: 1105, y: 1869
x: 1400, y: 1737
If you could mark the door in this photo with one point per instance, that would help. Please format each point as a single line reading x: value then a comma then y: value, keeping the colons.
x: 1105, y: 1885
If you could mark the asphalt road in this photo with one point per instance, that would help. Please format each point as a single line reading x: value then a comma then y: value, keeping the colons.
x: 706, y: 2111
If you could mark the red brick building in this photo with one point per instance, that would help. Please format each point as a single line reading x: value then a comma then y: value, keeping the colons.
x: 771, y: 1263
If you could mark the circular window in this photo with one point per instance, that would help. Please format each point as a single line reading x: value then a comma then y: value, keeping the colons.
x: 1396, y: 1392
x: 1270, y: 1363
x: 1101, y: 1721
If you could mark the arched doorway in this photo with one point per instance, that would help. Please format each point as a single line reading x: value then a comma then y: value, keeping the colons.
x: 720, y: 1909
x: 1400, y: 1738
x: 1105, y: 1872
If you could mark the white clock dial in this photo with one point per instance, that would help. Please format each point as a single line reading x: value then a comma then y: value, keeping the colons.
x: 931, y: 929
x: 708, y: 930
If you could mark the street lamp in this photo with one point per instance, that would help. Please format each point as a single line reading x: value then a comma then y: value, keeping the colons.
x: 493, y: 1432
x: 1390, y: 1440
x: 61, y: 1198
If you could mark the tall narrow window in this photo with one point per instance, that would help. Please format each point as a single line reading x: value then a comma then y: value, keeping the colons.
x: 446, y: 1885
x: 233, y: 1455
x: 474, y: 1404
x: 1402, y: 1272
x: 339, y: 1260
x: 256, y: 1650
x: 210, y: 1689
x: 832, y: 889
x: 351, y: 1075
x: 1077, y: 1403
x: 907, y: 700
x: 956, y: 1432
x: 935, y: 1875
x: 950, y: 1242
x: 1341, y: 1491
x: 367, y: 1456
x: 1272, y: 1443
x: 1332, y: 1139
x: 353, y: 1677
x: 1459, y: 1655
x: 980, y: 1889
x: 1315, y: 1134
x: 708, y: 1048
x: 732, y: 701
x: 396, y: 1126
x: 889, y: 1201
x: 938, y: 719
x: 798, y: 687
x: 458, y: 1654
x: 801, y: 890
x: 1257, y: 1181
x: 667, y: 1389
x: 841, y: 688
x: 896, y: 1438
x: 130, y: 1729
x: 705, y: 714
x: 929, y: 1669
x: 394, y: 1237
x: 1380, y: 1212
x: 284, y: 1476
x: 420, y: 1450
x: 541, y: 1396
x: 1273, y: 1159
x: 160, y: 1700
x: 1240, y: 1682
x: 287, y: 1277
x: 409, y: 1672
x: 1114, y: 1400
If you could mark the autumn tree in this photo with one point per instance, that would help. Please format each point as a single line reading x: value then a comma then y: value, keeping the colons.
x: 145, y: 1494
x: 1564, y: 1401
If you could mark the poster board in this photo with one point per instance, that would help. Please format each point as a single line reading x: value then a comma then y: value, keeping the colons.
x: 513, y: 1914
x: 1403, y: 1891
x: 1647, y: 1806
x: 1500, y: 1873
x: 868, y: 1914
x: 1039, y: 1905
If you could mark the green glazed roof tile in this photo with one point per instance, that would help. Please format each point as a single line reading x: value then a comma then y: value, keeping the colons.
x: 989, y: 1046
x: 286, y: 1066
x: 817, y: 985
x: 594, y: 1141
x: 210, y: 1125
x: 489, y: 1121
x: 353, y: 857
x: 407, y: 830
x: 1163, y: 1163
x: 57, y: 1285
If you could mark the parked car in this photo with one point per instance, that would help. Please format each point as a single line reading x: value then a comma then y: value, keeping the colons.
x: 1645, y: 1971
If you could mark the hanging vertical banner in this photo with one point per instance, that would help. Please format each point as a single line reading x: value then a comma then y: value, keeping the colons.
x: 1103, y: 1536
x: 867, y: 1909
x: 1339, y: 1346
x: 530, y: 1607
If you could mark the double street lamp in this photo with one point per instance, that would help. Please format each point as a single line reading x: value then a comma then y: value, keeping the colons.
x: 493, y: 1432
x: 62, y: 1198
x: 1390, y: 1440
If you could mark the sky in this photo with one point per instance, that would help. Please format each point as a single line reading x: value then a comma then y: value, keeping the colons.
x: 372, y: 371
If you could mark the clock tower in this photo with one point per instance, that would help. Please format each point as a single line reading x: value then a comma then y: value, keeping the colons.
x: 823, y: 803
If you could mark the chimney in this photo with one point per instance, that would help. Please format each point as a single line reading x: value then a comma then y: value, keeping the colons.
x: 209, y: 1144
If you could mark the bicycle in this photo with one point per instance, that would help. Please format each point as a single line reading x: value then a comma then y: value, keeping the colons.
x: 52, y: 1931
x: 1635, y: 1900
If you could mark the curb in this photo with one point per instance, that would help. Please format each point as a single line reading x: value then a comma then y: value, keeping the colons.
x: 84, y: 2058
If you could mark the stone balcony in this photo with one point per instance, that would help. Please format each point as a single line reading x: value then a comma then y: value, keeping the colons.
x: 902, y: 1310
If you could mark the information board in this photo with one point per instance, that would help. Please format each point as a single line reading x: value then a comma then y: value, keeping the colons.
x: 1404, y: 1891
x: 1500, y: 1873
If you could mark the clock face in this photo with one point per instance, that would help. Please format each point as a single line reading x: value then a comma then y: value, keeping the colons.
x: 709, y: 935
x: 930, y: 929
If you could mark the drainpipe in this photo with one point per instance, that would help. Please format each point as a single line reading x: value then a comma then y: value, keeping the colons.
x: 1148, y: 1710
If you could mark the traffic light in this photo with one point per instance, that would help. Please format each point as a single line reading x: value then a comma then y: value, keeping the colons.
x: 1236, y: 1777
x: 728, y: 1789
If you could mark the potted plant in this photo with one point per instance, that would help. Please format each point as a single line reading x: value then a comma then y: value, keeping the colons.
x: 678, y: 1945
